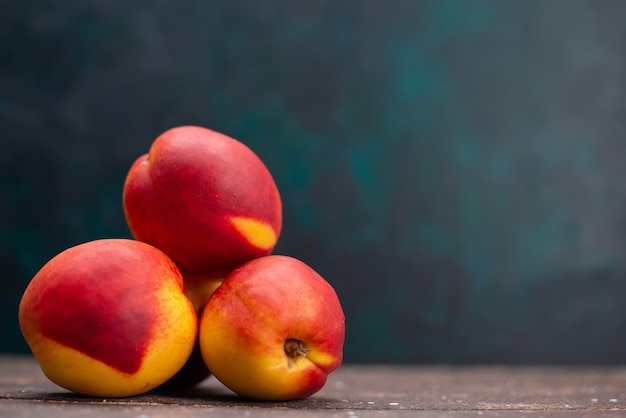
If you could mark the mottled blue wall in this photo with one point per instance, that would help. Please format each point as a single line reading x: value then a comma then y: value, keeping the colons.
x: 455, y: 169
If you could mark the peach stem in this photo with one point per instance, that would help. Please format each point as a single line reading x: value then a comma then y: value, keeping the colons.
x: 295, y: 348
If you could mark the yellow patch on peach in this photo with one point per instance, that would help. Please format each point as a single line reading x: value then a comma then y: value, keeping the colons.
x: 248, y: 365
x: 319, y: 358
x: 247, y: 373
x: 258, y: 233
x: 87, y: 376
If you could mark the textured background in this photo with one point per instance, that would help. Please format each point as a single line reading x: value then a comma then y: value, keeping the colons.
x: 455, y: 169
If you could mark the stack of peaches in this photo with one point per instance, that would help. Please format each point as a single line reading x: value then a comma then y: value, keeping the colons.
x: 196, y: 293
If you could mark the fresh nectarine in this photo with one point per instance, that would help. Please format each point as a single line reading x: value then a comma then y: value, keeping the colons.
x: 273, y: 330
x: 108, y: 318
x: 205, y: 199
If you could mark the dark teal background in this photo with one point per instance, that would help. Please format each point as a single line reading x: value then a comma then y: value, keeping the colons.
x: 455, y: 169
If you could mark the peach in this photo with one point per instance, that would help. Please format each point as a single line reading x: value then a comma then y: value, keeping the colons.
x: 205, y: 199
x: 108, y: 318
x: 273, y: 330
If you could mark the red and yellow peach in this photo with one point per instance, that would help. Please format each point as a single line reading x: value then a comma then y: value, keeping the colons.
x: 273, y: 330
x: 109, y: 318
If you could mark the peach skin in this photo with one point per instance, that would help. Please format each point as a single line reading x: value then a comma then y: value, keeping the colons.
x: 108, y: 318
x: 273, y: 330
x: 205, y: 199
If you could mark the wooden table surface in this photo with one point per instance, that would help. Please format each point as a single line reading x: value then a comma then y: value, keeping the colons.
x: 352, y: 391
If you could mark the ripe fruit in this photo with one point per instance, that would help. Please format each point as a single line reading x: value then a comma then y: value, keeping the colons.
x: 108, y: 318
x: 205, y: 199
x: 273, y: 330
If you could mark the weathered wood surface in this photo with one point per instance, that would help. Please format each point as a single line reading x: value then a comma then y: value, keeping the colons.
x: 352, y: 391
